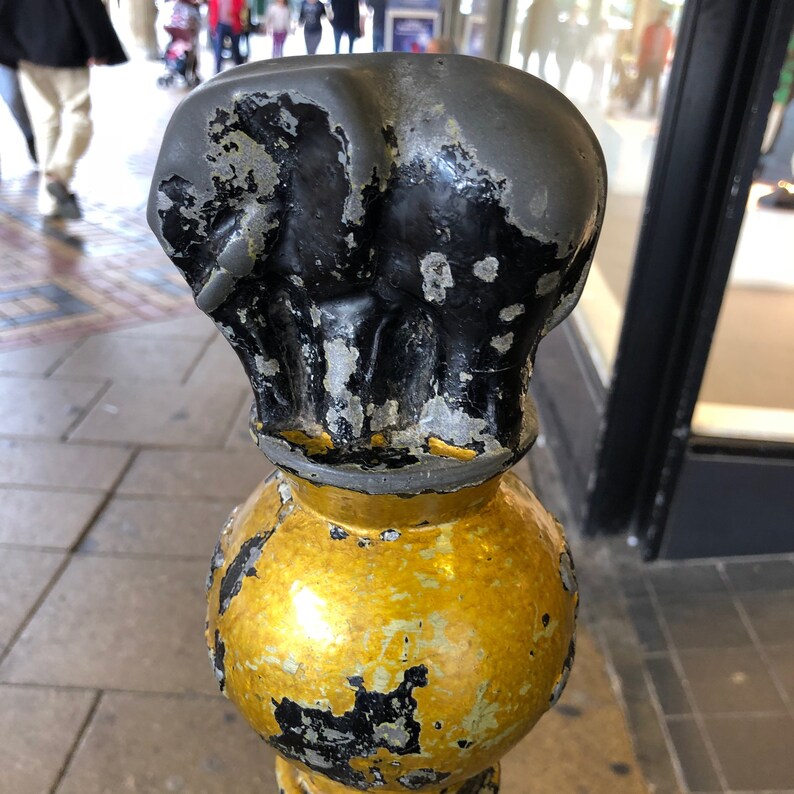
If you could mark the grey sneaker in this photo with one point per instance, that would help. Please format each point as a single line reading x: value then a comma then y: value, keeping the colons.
x: 67, y: 202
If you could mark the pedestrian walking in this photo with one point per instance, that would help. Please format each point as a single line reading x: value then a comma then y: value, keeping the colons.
x: 278, y: 21
x: 597, y: 56
x: 311, y: 15
x: 539, y: 33
x: 567, y: 50
x: 226, y: 21
x: 655, y: 46
x: 53, y: 43
x: 346, y: 21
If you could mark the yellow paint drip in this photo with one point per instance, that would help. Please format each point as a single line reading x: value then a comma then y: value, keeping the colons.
x: 377, y: 440
x: 441, y: 448
x: 314, y: 445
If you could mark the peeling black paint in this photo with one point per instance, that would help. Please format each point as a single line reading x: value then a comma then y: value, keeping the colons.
x: 244, y: 564
x: 217, y: 655
x: 327, y: 743
x: 545, y: 619
x: 419, y: 778
x: 562, y: 680
x: 215, y: 563
x: 568, y: 571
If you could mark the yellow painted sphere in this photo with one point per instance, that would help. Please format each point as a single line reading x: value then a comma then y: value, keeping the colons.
x: 399, y: 643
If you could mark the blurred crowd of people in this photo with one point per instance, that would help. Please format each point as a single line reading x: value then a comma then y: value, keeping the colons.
x: 608, y: 52
x: 231, y: 22
x: 47, y: 48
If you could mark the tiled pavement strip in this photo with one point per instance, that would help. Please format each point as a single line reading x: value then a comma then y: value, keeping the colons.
x: 121, y: 453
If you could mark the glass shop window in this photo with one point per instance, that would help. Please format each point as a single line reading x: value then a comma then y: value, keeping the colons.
x: 612, y: 60
x: 748, y: 388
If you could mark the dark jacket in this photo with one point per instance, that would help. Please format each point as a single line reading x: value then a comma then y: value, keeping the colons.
x: 346, y: 16
x: 311, y: 16
x: 60, y: 33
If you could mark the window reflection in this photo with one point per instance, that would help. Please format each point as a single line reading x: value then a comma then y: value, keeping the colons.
x: 612, y: 59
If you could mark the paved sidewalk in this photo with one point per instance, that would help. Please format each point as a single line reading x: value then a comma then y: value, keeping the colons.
x: 123, y: 447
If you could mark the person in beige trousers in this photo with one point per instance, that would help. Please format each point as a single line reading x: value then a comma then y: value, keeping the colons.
x: 53, y: 43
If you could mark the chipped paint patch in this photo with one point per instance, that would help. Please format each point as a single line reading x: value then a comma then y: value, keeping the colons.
x: 502, y: 343
x: 267, y: 367
x: 568, y: 572
x: 284, y: 491
x: 482, y: 718
x: 547, y: 283
x: 436, y: 277
x: 332, y: 744
x: 384, y: 416
x: 559, y: 686
x: 460, y: 428
x: 217, y: 561
x: 487, y: 269
x: 427, y: 581
x: 340, y: 366
x: 508, y: 314
x: 243, y: 565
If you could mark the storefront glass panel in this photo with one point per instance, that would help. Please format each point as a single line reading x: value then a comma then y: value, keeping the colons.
x: 608, y: 60
x: 748, y: 386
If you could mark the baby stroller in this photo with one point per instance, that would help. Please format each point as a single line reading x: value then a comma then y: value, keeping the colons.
x: 181, y: 54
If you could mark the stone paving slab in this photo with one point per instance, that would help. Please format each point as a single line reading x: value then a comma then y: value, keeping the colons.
x: 152, y: 744
x: 228, y: 476
x: 60, y: 466
x: 39, y: 360
x: 45, y: 518
x: 38, y: 728
x: 162, y: 414
x: 118, y: 623
x: 26, y: 574
x: 193, y: 324
x: 124, y: 358
x: 43, y: 408
x: 158, y: 527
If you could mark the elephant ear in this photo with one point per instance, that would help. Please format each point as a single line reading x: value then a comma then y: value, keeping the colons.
x: 384, y: 240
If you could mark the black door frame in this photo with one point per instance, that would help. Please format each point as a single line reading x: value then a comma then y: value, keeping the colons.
x: 728, y: 58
